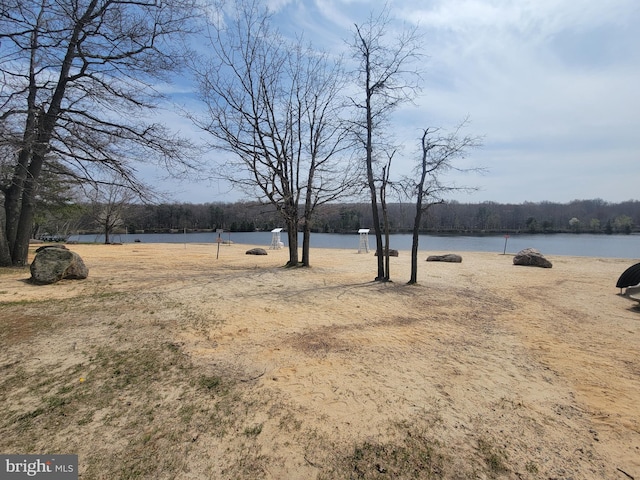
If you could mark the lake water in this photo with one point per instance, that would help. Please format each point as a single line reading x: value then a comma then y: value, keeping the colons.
x: 584, y: 245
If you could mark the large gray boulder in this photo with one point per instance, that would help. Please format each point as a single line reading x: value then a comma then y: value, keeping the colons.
x: 256, y: 251
x: 449, y: 257
x: 55, y: 262
x: 531, y: 257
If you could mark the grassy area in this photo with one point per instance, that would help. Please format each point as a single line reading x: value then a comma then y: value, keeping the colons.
x: 127, y: 395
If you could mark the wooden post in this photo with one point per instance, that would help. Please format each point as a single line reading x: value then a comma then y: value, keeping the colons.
x: 219, y: 240
x: 506, y: 237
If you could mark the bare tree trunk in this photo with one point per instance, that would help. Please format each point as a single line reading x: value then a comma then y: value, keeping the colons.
x: 5, y: 253
x: 372, y: 188
x: 107, y: 230
x: 12, y: 200
x: 414, y: 241
x: 418, y: 216
x: 376, y: 226
x: 387, y: 254
x: 13, y: 197
x: 20, y: 252
x: 385, y: 217
x: 292, y: 235
x: 306, y: 239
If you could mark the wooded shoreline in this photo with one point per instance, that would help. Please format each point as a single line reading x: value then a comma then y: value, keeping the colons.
x: 580, y: 216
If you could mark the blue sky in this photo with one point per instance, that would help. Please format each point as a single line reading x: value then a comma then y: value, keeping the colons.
x: 551, y: 85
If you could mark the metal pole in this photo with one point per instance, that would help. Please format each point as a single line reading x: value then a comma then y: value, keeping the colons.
x: 219, y: 232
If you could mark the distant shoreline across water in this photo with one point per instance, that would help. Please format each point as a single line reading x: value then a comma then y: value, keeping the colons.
x: 583, y: 245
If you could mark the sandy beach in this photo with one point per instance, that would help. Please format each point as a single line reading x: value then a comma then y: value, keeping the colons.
x: 168, y: 362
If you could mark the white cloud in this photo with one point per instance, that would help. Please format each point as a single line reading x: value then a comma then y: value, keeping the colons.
x: 277, y: 5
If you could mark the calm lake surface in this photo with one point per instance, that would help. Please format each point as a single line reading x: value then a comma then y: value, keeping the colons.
x: 583, y: 245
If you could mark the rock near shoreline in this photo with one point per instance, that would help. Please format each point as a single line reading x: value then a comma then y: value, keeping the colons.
x: 532, y: 258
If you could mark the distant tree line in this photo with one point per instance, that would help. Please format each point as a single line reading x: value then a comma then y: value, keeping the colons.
x: 579, y: 216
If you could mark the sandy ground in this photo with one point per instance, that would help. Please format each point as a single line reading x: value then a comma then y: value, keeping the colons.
x: 503, y: 371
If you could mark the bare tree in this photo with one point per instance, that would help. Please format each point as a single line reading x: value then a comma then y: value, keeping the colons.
x: 326, y: 145
x: 273, y: 107
x: 428, y: 186
x: 78, y: 79
x: 108, y: 202
x: 388, y: 78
